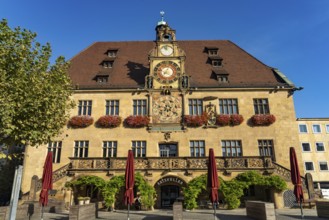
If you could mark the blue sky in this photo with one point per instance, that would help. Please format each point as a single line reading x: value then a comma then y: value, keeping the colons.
x: 291, y: 35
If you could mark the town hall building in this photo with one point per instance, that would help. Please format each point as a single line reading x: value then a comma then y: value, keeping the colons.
x: 170, y: 101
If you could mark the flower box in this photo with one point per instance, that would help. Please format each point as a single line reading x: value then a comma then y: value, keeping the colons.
x: 263, y: 119
x: 137, y: 121
x: 109, y: 121
x: 225, y: 120
x: 81, y: 121
x: 236, y: 119
x: 195, y: 120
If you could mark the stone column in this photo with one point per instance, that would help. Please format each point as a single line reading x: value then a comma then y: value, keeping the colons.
x: 33, y: 188
x: 278, y: 199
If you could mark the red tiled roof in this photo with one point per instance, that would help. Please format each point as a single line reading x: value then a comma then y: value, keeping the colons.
x: 131, y: 65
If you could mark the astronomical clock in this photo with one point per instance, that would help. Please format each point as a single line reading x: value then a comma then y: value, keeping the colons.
x: 167, y: 79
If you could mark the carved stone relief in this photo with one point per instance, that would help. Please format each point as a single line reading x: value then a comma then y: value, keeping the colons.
x: 167, y: 109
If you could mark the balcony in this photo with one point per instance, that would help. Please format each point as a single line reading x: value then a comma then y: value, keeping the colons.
x: 226, y: 164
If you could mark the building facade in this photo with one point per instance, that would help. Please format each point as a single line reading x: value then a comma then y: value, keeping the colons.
x: 170, y: 101
x: 314, y: 143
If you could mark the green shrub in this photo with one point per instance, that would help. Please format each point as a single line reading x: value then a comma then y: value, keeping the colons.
x: 147, y: 192
x: 232, y: 190
x: 111, y: 188
x: 192, y: 191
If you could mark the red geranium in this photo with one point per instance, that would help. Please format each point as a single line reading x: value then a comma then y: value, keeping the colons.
x: 236, y: 119
x: 109, y: 121
x: 81, y: 121
x: 195, y: 120
x: 223, y: 120
x: 137, y: 121
x: 263, y: 119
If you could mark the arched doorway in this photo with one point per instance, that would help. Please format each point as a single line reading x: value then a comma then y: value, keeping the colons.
x: 168, y: 189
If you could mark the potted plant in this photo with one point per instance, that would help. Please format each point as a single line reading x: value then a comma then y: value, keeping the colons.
x: 81, y: 121
x: 263, y: 119
x: 109, y: 121
x: 137, y: 121
x: 87, y: 200
x: 81, y: 200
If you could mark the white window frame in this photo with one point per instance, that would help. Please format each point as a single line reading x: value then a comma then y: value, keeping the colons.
x: 315, y: 131
x: 81, y: 149
x: 228, y: 106
x: 85, y: 107
x: 195, y: 106
x: 316, y: 147
x: 312, y: 164
x: 138, y: 147
x: 301, y: 131
x: 112, y: 107
x: 110, y: 148
x: 303, y: 148
x: 139, y: 107
x: 56, y: 148
x: 327, y: 128
x: 320, y: 167
x: 200, y: 145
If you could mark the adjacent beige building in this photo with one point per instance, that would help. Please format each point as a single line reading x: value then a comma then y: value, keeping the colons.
x: 314, y: 144
x: 176, y: 99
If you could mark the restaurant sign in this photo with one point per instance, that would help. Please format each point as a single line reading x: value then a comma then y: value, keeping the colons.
x: 169, y: 180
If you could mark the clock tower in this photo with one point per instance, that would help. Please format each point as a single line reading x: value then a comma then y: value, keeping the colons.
x: 167, y: 79
x: 167, y: 60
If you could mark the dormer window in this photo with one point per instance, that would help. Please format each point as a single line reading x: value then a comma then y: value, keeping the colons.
x: 221, y: 75
x: 112, y: 53
x: 222, y: 78
x: 107, y: 64
x: 213, y: 52
x: 101, y: 78
x: 216, y: 63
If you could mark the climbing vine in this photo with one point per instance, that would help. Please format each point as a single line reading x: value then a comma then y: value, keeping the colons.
x: 112, y: 187
x: 147, y: 192
x: 192, y: 191
x: 87, y: 180
x: 233, y: 189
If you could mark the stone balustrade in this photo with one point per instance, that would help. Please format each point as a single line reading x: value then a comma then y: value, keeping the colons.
x: 177, y: 163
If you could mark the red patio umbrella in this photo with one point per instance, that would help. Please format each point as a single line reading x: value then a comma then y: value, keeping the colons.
x: 212, y: 180
x: 47, y: 180
x: 130, y: 180
x: 296, y: 179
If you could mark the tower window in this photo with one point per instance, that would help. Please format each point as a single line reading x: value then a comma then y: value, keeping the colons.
x: 167, y: 37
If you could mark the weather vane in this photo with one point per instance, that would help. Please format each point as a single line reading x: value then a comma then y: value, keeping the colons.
x: 162, y: 14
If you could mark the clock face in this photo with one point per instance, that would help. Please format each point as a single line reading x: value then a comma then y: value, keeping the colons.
x: 166, y: 72
x: 166, y: 50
